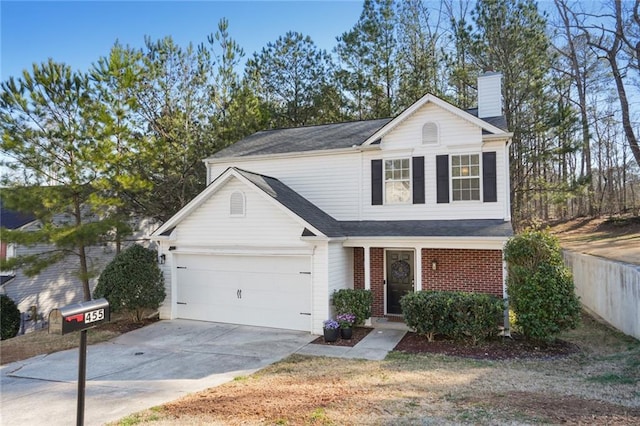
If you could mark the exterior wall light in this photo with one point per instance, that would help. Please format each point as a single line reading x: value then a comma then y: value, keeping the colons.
x: 434, y: 264
x: 162, y: 258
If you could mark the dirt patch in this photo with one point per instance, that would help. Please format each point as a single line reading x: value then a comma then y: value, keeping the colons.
x: 359, y: 333
x: 615, y: 238
x: 556, y: 409
x: 41, y: 342
x: 496, y: 349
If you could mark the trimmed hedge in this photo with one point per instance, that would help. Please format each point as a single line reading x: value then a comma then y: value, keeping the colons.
x: 456, y: 315
x: 357, y: 302
x: 9, y: 318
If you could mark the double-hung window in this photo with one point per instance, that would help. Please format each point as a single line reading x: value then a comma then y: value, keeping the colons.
x: 465, y: 177
x: 397, y: 181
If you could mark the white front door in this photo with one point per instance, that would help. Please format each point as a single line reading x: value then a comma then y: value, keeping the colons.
x: 267, y: 291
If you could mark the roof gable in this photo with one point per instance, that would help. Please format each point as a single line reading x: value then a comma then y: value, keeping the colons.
x: 485, y: 125
x: 309, y: 216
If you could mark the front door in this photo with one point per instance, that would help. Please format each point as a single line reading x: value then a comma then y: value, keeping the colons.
x: 400, y: 267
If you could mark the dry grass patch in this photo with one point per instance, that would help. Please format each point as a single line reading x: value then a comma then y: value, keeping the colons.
x: 583, y: 388
x: 41, y: 342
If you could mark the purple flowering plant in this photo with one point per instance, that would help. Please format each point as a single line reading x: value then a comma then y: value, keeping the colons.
x: 331, y: 324
x: 346, y: 320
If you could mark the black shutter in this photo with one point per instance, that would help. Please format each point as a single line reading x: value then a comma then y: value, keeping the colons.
x: 376, y: 182
x: 489, y: 183
x: 442, y: 178
x: 418, y: 180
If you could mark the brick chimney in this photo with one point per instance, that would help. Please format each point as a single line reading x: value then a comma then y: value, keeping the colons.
x: 490, y: 95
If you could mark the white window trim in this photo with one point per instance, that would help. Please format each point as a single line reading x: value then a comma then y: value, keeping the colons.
x: 480, y: 168
x: 384, y: 181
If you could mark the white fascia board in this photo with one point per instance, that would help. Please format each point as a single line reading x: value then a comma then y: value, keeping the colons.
x: 442, y: 104
x: 491, y: 243
x: 500, y: 137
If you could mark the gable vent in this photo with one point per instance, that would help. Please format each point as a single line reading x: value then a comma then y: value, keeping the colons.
x: 430, y: 133
x: 236, y: 204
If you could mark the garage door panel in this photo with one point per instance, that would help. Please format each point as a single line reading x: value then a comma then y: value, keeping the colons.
x: 270, y: 291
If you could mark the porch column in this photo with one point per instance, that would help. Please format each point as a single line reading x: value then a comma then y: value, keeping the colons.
x: 367, y: 268
x: 418, y: 270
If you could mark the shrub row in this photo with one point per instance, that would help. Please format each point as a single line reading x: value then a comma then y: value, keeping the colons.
x: 456, y: 315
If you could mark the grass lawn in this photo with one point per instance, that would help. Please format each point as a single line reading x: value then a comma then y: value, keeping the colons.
x: 600, y: 384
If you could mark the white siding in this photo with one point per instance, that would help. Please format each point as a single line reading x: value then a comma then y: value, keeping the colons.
x: 264, y: 223
x: 331, y: 182
x: 456, y: 137
x: 340, y: 268
x: 320, y: 290
x: 165, y: 310
x: 453, y: 130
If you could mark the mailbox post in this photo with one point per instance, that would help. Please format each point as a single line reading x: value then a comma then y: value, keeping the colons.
x: 80, y: 317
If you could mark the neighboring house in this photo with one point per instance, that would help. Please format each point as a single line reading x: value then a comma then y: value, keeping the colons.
x: 417, y: 202
x: 57, y: 285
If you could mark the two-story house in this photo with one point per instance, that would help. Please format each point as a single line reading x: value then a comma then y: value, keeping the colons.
x: 417, y: 202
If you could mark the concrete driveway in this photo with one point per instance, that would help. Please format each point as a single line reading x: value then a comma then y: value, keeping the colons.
x: 140, y: 369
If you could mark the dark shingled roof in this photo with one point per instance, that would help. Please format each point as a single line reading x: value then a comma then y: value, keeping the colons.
x: 500, y: 121
x: 428, y: 228
x: 370, y: 228
x: 10, y: 219
x: 300, y: 139
x: 321, y: 137
x: 299, y: 205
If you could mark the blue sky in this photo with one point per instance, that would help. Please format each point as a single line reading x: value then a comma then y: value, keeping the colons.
x: 79, y: 32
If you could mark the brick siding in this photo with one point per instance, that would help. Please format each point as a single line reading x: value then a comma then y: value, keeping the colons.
x: 477, y: 271
x: 457, y: 270
x: 358, y: 268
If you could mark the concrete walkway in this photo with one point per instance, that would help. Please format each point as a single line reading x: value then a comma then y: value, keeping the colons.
x: 375, y: 346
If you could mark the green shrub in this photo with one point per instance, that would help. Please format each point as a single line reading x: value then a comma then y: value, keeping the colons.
x: 9, y: 318
x: 426, y: 313
x: 540, y: 287
x: 545, y: 303
x: 357, y: 302
x: 132, y: 282
x: 456, y: 315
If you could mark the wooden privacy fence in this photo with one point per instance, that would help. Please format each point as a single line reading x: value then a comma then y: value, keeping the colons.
x: 609, y: 289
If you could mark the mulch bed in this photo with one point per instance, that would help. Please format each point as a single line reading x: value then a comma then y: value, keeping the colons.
x: 358, y: 334
x: 124, y: 325
x: 497, y: 349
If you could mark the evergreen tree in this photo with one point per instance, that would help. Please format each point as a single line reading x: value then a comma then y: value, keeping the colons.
x: 291, y: 74
x: 49, y: 121
x: 511, y: 37
x: 367, y: 55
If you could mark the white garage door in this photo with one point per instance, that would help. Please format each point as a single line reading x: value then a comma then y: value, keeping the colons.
x: 268, y: 291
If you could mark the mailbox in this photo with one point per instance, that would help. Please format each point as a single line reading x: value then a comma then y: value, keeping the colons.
x: 79, y: 316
